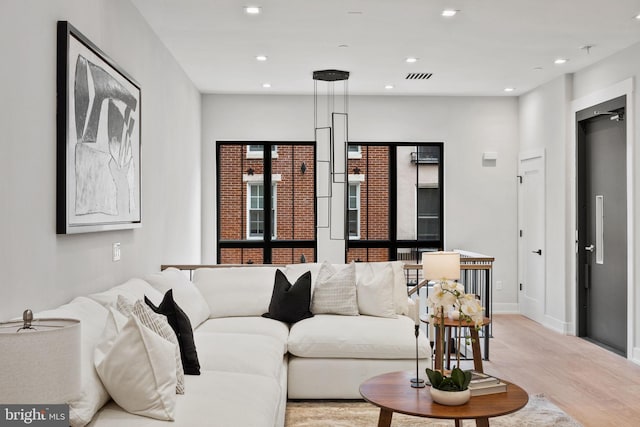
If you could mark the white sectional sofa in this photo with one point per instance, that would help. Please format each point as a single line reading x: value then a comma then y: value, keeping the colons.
x: 249, y: 364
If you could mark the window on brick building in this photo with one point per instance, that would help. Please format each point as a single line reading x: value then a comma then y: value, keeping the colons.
x: 428, y: 213
x: 255, y: 211
x: 426, y: 155
x: 354, y: 211
x: 354, y: 152
x: 257, y: 151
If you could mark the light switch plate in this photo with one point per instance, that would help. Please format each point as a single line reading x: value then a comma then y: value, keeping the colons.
x: 116, y: 252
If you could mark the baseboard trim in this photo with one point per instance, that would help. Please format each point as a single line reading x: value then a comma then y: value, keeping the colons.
x: 505, y: 308
x: 635, y: 357
x: 557, y: 325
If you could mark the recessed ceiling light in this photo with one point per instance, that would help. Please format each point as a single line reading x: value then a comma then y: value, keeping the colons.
x: 266, y: 85
x: 252, y: 10
x: 449, y: 13
x: 261, y: 58
x: 637, y: 17
x: 388, y: 86
x: 509, y: 89
x: 411, y: 60
x: 560, y: 61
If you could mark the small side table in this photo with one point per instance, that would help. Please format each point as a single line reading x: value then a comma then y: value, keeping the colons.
x: 448, y: 324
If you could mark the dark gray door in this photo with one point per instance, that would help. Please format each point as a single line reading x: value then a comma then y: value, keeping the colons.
x: 602, y: 224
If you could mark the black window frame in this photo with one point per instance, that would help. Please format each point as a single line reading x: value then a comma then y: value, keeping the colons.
x: 393, y: 243
x: 267, y: 243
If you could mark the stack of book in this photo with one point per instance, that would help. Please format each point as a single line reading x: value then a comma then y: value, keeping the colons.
x: 485, y: 384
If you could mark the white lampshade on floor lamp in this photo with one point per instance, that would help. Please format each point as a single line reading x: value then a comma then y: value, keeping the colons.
x: 39, y: 361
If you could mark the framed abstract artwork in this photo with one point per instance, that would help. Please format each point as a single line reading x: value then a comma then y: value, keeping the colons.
x: 98, y: 139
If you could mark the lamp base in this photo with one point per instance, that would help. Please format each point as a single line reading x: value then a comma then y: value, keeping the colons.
x: 417, y: 385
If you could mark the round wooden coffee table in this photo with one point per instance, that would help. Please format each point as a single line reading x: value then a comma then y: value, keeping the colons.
x: 392, y: 392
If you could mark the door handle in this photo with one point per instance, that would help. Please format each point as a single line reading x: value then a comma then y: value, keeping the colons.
x: 539, y: 252
x: 586, y: 276
x: 589, y: 248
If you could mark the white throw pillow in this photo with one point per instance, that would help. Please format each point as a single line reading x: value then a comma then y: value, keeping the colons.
x: 335, y: 291
x: 152, y: 320
x: 185, y: 294
x: 139, y: 372
x: 400, y: 298
x: 159, y: 324
x: 375, y: 292
x: 112, y: 327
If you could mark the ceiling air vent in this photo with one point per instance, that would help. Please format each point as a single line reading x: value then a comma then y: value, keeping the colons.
x: 418, y: 76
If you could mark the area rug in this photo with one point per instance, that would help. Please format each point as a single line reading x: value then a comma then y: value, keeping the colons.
x: 538, y: 412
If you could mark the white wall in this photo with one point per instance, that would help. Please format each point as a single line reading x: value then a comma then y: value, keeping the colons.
x: 544, y: 124
x: 480, y: 202
x: 39, y: 268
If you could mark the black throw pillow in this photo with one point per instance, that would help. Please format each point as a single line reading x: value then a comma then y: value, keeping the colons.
x: 290, y: 303
x: 181, y: 325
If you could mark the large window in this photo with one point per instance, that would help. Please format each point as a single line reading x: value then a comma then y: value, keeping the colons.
x: 255, y: 211
x: 354, y: 211
x: 394, y: 211
x: 266, y: 203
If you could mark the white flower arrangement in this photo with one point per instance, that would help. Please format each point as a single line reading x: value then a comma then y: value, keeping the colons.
x: 450, y: 297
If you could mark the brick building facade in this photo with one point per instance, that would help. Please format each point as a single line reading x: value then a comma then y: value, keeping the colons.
x: 369, y: 170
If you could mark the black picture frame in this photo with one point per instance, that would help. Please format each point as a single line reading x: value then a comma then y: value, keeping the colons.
x: 98, y: 139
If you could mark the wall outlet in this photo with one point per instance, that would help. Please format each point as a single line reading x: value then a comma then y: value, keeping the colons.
x: 116, y: 252
x: 498, y: 285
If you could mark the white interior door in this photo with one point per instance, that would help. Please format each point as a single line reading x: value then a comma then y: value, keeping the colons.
x: 531, y: 243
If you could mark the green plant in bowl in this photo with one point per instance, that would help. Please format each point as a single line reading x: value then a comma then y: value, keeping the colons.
x: 458, y: 380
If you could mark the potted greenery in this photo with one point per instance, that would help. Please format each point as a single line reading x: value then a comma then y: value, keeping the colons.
x: 451, y: 390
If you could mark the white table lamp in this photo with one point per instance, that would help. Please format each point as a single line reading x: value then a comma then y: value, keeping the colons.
x: 39, y: 361
x: 441, y: 265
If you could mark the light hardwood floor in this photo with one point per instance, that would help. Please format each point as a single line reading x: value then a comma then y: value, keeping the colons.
x: 595, y: 386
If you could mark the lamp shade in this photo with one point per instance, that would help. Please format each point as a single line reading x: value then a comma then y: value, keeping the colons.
x: 40, y: 365
x: 441, y: 265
